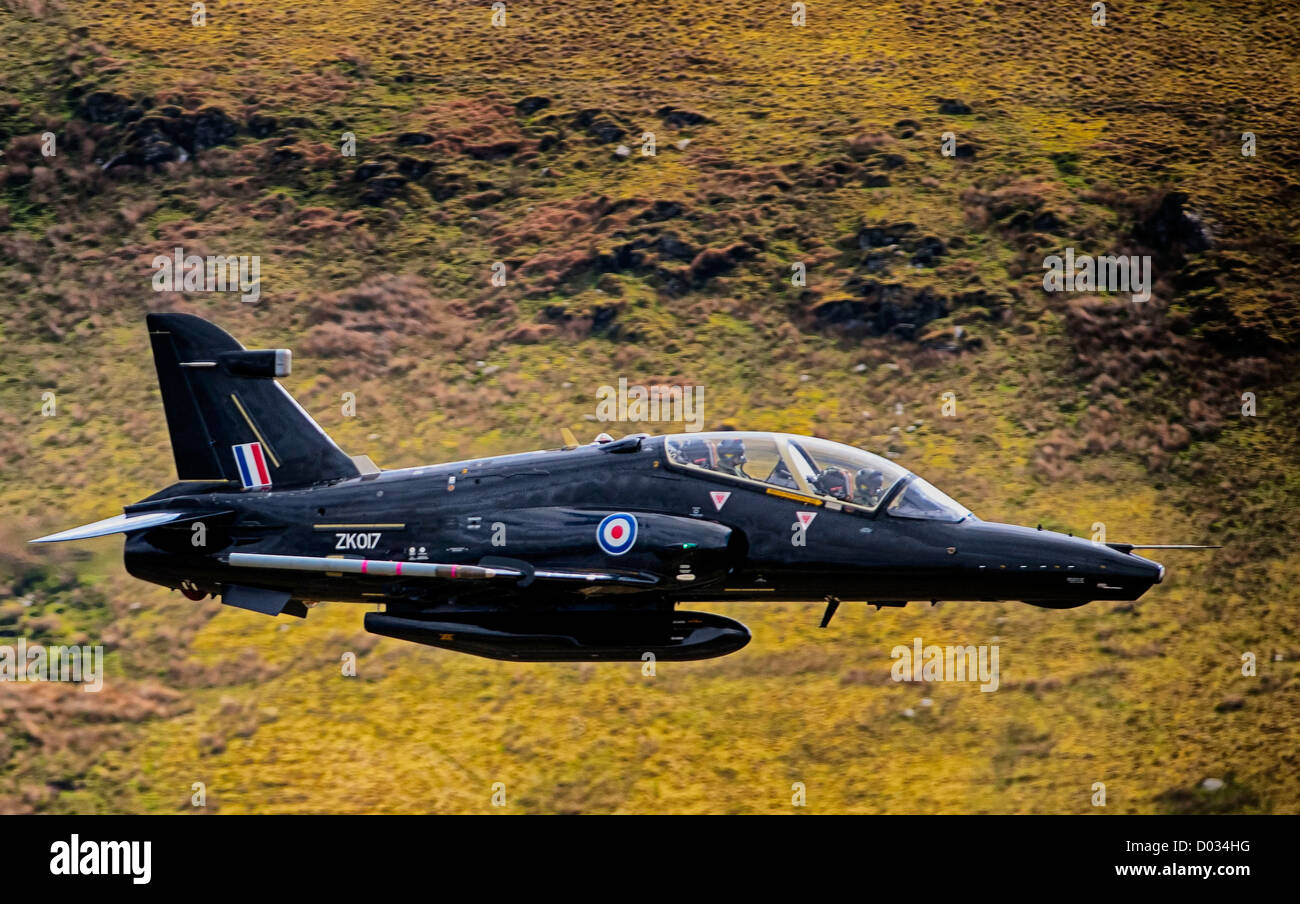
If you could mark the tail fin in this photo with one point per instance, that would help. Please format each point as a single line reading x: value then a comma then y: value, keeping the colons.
x: 228, y: 417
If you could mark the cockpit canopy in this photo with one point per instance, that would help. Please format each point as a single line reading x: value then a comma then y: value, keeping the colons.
x: 816, y: 467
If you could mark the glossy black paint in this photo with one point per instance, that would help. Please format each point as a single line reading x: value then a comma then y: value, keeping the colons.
x: 541, y: 510
x: 559, y: 637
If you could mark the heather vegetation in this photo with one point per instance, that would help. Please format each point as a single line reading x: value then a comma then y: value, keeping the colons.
x: 775, y: 146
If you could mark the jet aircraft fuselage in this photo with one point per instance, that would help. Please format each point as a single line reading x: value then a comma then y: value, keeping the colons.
x: 583, y: 552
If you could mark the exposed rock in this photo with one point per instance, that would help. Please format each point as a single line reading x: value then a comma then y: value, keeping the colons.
x: 492, y: 150
x: 712, y: 261
x: 675, y: 116
x: 149, y: 142
x: 659, y: 211
x: 906, y: 128
x: 877, y: 261
x: 598, y: 125
x: 210, y: 126
x: 413, y: 167
x: 172, y: 134
x: 381, y: 188
x: 672, y: 247
x: 947, y: 339
x: 1165, y: 226
x: 1048, y: 221
x: 367, y: 171
x: 261, y: 125
x: 150, y: 150
x: 105, y: 106
x: 626, y: 256
x: 579, y: 320
x: 529, y: 105
x: 879, y: 309
x: 928, y: 250
x: 882, y: 236
x: 1030, y: 221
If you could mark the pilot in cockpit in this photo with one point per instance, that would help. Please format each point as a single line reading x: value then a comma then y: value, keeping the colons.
x: 833, y: 482
x: 695, y: 452
x: 868, y: 487
x: 731, y: 457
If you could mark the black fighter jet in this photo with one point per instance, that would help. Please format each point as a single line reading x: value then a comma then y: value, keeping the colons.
x: 577, y: 553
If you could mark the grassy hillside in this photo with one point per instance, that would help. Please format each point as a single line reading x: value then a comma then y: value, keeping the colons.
x: 775, y: 145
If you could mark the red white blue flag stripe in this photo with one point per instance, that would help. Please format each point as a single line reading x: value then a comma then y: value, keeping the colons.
x: 252, y: 465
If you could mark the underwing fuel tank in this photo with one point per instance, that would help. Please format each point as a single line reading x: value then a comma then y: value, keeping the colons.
x: 579, y: 636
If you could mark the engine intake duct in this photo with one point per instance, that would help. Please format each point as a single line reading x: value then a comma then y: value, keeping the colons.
x: 571, y: 637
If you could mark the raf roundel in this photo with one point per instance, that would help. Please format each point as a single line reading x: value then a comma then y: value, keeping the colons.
x: 616, y: 533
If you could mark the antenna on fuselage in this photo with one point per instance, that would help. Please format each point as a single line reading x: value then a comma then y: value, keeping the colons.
x: 832, y: 603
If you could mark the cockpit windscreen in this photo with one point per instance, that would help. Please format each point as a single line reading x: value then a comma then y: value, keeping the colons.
x: 799, y: 463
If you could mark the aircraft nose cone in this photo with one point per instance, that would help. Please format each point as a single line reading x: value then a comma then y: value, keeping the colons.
x: 1135, y: 572
x: 1144, y: 567
x: 1051, y: 566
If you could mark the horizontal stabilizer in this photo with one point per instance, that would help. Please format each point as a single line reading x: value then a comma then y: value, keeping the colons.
x: 365, y: 465
x: 121, y: 524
